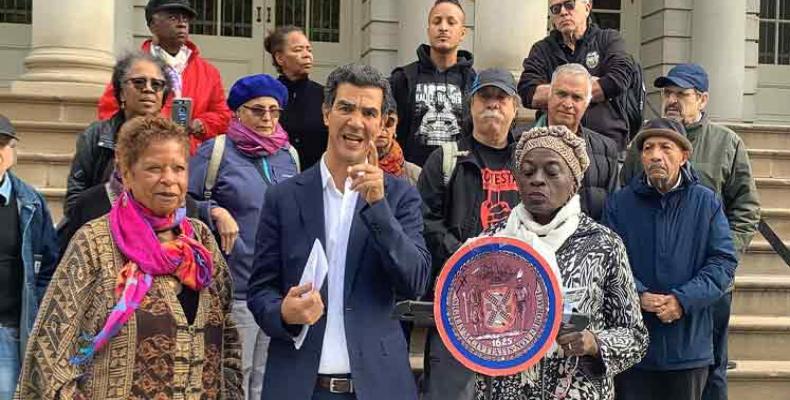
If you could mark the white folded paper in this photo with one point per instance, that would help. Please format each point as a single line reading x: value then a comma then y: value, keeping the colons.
x: 315, y: 271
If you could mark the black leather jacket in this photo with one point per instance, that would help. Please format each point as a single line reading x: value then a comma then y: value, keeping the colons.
x: 93, y: 161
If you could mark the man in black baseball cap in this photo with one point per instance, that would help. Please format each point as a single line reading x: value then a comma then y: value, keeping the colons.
x: 6, y: 128
x: 466, y: 190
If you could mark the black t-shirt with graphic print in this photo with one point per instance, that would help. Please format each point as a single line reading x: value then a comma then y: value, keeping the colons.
x: 501, y: 192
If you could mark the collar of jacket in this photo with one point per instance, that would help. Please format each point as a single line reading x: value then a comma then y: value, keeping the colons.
x: 687, y: 174
x: 25, y: 196
x: 465, y: 59
x: 592, y: 28
x: 293, y: 84
x: 692, y: 130
x: 146, y: 47
x: 110, y: 130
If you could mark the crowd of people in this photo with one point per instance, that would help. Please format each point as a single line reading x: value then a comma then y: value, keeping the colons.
x: 177, y: 269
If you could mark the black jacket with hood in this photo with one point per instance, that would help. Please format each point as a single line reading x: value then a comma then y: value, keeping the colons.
x: 404, y: 82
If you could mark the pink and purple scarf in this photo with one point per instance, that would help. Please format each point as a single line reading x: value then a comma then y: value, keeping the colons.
x: 133, y: 228
x: 252, y: 143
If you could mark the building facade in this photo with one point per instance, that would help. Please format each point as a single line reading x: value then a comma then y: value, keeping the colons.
x: 68, y: 46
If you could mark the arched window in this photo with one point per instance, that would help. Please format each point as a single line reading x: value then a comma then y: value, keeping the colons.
x: 16, y: 11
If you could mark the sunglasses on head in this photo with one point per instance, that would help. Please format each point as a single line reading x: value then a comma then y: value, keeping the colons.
x: 157, y: 85
x: 556, y: 9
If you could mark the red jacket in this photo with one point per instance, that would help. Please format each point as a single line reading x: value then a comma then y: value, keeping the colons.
x: 202, y: 83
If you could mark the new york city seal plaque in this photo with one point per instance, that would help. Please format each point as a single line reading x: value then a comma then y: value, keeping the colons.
x: 497, y: 306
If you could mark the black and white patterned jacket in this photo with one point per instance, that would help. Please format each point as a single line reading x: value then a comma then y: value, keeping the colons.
x: 593, y: 257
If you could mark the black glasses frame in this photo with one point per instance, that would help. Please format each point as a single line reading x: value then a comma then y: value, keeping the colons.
x: 141, y: 83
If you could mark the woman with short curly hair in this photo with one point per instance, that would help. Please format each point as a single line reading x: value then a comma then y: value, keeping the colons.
x: 140, y: 305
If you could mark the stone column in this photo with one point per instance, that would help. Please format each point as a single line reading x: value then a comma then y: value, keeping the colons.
x: 505, y: 31
x: 413, y: 28
x: 718, y: 45
x: 72, y: 48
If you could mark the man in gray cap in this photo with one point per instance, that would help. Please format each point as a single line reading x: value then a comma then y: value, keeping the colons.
x: 28, y: 252
x: 466, y: 189
x: 679, y: 246
x: 722, y: 159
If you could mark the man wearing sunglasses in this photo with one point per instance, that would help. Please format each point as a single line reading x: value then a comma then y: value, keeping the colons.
x: 193, y: 77
x: 576, y: 39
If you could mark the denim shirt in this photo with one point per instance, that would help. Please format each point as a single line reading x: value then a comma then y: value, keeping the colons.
x: 39, y: 251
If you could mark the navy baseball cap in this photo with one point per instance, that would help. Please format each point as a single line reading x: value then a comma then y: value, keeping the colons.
x: 686, y: 76
x: 154, y: 6
x: 496, y: 77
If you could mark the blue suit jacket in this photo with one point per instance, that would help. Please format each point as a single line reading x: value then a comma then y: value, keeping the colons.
x: 386, y: 255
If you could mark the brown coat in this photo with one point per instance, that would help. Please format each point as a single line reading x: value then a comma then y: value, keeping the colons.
x: 156, y: 355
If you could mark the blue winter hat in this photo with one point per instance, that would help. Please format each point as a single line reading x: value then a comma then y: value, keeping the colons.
x: 254, y: 86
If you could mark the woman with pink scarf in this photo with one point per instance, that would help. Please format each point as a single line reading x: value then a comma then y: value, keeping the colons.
x: 256, y: 156
x: 140, y: 304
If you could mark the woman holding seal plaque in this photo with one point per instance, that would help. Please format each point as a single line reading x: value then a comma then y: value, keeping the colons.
x: 549, y: 164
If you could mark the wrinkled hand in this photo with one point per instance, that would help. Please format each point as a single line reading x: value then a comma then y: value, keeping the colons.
x: 368, y: 179
x: 651, y: 302
x: 579, y: 343
x: 302, y: 305
x: 196, y: 128
x: 227, y: 227
x: 671, y: 310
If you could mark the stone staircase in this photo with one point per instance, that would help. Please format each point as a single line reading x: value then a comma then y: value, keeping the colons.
x: 48, y: 127
x: 760, y: 323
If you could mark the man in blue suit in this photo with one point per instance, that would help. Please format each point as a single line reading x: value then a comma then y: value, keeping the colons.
x: 371, y: 227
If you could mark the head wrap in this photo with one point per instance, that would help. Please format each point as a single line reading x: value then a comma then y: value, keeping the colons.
x: 562, y: 141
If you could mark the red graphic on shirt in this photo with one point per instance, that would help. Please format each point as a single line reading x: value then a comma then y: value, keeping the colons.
x: 495, y: 209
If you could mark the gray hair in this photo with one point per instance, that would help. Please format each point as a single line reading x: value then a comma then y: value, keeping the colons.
x: 574, y: 69
x: 127, y: 61
x: 358, y: 75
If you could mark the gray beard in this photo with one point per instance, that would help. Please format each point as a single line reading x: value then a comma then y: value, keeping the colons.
x: 660, y: 183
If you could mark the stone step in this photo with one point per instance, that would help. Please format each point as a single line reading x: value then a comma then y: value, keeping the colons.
x: 761, y: 295
x: 773, y: 192
x: 759, y: 380
x: 759, y: 338
x: 38, y: 107
x: 763, y: 136
x: 43, y: 169
x: 54, y: 198
x: 48, y: 137
x: 770, y: 163
x: 760, y: 259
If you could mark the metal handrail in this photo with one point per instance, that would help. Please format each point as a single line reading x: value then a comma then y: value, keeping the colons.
x: 774, y: 240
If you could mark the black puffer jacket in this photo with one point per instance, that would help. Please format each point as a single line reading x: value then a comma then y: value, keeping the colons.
x: 93, y: 161
x: 602, y: 52
x: 600, y: 180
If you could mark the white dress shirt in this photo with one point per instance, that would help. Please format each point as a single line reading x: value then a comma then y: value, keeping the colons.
x: 338, y: 214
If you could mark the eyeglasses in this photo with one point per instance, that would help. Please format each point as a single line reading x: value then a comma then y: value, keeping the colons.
x: 260, y: 112
x: 157, y: 85
x: 569, y: 5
